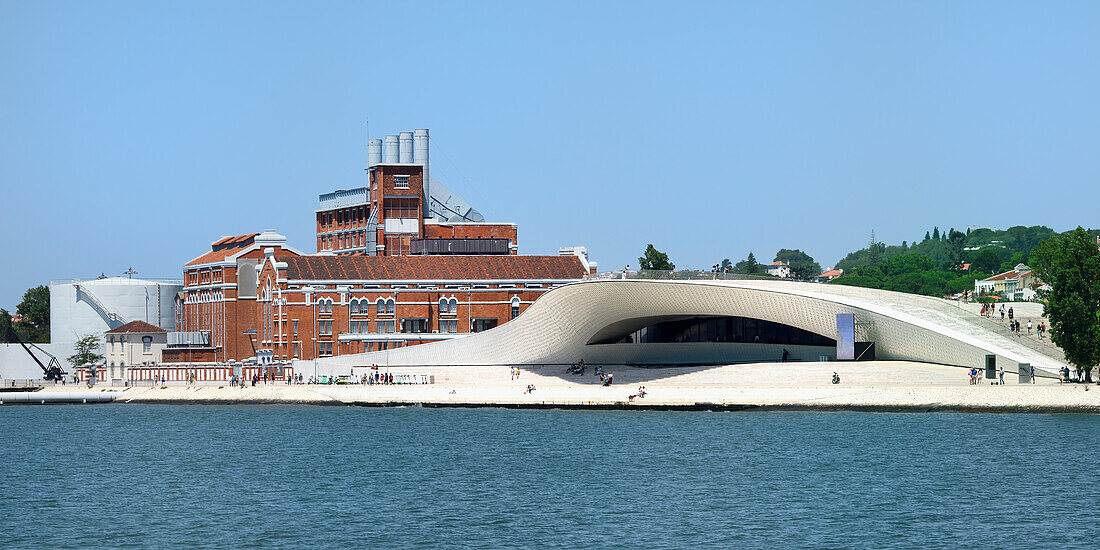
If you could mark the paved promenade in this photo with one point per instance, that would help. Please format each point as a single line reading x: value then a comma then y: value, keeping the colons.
x: 899, y: 386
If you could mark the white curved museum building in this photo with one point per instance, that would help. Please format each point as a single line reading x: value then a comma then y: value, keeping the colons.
x: 660, y: 322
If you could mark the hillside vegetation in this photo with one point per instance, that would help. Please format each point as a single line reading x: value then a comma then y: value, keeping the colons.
x: 937, y: 264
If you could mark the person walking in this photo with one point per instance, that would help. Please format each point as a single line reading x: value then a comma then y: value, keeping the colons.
x: 1001, y: 375
x: 1029, y: 327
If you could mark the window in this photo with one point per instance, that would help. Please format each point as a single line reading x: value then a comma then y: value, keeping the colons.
x: 391, y: 306
x: 444, y: 306
x: 448, y: 326
x: 480, y: 325
x: 354, y: 306
x: 324, y: 348
x: 401, y: 182
x: 147, y: 344
x: 414, y: 326
x: 296, y: 355
x: 358, y: 327
x: 454, y: 306
x: 515, y: 307
x: 324, y: 327
x: 295, y: 328
x: 386, y: 327
x: 324, y: 306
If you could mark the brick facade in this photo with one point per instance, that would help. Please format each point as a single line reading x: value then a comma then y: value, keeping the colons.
x: 303, y: 307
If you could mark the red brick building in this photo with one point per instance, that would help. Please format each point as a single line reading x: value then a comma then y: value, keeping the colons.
x: 252, y: 292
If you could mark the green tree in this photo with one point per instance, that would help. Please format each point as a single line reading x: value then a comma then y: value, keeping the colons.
x: 748, y: 266
x: 35, y: 311
x: 927, y: 236
x: 86, y: 351
x: 1070, y: 264
x: 803, y: 267
x: 987, y: 260
x: 936, y: 233
x: 5, y: 326
x: 956, y: 256
x: 725, y: 265
x: 655, y: 260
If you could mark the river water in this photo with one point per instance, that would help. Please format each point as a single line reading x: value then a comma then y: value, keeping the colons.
x: 319, y: 477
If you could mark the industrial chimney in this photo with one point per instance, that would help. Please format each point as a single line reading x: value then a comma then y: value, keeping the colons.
x: 420, y: 156
x: 391, y: 150
x: 374, y: 152
x: 406, y: 147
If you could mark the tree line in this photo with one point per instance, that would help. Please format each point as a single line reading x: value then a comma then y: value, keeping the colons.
x: 33, y: 324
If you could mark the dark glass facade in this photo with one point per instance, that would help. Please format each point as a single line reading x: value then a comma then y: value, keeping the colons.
x: 723, y: 329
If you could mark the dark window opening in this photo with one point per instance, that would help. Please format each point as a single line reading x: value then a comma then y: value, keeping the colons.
x: 721, y: 329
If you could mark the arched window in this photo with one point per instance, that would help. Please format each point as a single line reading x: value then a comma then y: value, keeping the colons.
x: 381, y: 305
x: 454, y: 306
x: 354, y: 306
x: 391, y: 305
x: 443, y: 305
x: 515, y: 306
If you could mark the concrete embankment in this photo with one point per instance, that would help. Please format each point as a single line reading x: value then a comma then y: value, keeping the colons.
x: 877, y: 386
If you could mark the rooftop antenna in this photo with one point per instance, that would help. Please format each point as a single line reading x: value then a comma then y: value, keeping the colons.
x: 130, y: 272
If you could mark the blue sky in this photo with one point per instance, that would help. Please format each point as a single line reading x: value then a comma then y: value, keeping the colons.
x: 137, y: 133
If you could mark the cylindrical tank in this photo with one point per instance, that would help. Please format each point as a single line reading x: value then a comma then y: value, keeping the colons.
x: 391, y: 150
x: 406, y: 140
x: 374, y: 152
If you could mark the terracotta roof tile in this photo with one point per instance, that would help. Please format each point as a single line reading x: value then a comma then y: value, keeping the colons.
x: 218, y: 255
x: 136, y: 326
x: 435, y: 268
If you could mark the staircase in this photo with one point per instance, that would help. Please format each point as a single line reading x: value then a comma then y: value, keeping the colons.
x: 113, y: 319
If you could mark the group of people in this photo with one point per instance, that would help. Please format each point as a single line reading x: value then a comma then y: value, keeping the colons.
x: 1066, y: 375
x: 576, y: 368
x: 380, y: 378
x: 641, y: 393
x: 515, y: 372
x: 1014, y: 325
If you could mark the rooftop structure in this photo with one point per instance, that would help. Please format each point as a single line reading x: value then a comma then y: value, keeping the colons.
x: 402, y: 210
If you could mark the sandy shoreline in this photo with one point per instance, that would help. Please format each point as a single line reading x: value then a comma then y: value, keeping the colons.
x: 875, y: 386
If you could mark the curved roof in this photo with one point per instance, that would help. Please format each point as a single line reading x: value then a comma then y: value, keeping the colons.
x: 558, y: 327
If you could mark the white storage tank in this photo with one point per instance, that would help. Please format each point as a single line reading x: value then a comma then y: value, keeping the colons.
x: 93, y: 306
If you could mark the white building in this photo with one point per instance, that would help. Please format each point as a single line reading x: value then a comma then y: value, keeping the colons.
x: 779, y: 269
x: 95, y: 306
x: 135, y: 343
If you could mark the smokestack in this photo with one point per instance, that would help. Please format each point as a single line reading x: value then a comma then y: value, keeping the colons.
x: 420, y: 156
x: 374, y: 152
x: 391, y: 150
x: 406, y: 148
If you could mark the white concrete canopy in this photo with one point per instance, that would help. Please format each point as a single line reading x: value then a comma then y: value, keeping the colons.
x: 558, y: 328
